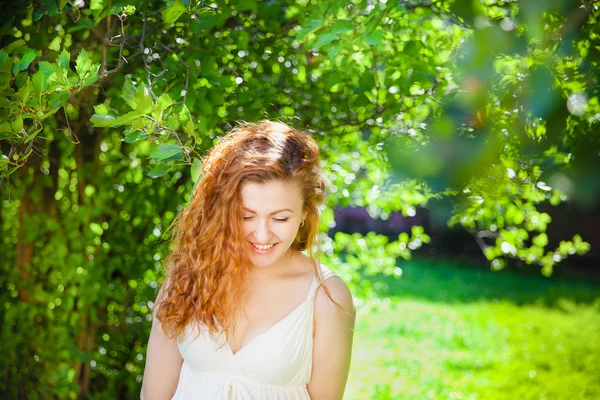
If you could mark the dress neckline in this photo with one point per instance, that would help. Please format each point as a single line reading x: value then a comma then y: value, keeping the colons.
x: 272, y: 327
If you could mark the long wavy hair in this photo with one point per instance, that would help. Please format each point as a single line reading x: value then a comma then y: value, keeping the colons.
x: 207, y: 264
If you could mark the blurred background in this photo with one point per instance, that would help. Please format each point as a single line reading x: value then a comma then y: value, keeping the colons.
x: 460, y: 139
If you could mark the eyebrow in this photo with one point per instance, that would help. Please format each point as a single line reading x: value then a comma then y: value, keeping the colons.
x: 274, y: 212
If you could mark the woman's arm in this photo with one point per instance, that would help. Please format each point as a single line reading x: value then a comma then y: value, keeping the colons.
x: 334, y: 330
x: 163, y: 364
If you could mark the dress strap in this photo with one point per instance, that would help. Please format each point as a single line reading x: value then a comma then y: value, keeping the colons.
x: 325, y: 274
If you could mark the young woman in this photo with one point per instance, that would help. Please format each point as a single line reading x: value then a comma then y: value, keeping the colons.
x: 244, y: 313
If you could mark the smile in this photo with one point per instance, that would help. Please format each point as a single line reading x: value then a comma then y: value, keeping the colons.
x: 263, y: 246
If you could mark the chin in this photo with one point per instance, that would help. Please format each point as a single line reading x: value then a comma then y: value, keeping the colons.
x: 266, y: 260
x: 261, y: 260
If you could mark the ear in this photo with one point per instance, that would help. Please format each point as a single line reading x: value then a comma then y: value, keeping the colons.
x: 304, y: 215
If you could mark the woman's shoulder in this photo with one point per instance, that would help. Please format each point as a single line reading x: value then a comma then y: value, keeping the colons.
x: 334, y: 309
x: 338, y: 289
x: 325, y: 272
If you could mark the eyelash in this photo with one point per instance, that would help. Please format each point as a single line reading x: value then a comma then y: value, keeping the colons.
x: 276, y: 219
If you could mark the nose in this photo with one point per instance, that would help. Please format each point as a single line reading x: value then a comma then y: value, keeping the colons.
x: 262, y: 232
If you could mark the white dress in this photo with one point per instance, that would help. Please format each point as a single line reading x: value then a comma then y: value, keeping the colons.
x: 275, y: 365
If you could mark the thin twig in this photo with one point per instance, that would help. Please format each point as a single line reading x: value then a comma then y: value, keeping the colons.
x: 479, y: 235
x: 143, y: 48
x: 69, y: 130
x: 121, y: 47
x: 174, y: 133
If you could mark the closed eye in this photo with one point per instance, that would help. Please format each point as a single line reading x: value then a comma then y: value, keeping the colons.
x: 276, y: 219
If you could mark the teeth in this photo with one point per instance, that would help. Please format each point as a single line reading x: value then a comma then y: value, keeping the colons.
x: 263, y: 247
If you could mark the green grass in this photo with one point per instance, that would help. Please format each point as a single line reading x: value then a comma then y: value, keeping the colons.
x: 452, y: 332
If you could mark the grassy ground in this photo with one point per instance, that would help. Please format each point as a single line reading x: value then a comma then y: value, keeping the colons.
x: 452, y: 332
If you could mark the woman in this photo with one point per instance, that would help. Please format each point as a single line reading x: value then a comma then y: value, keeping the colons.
x: 243, y: 313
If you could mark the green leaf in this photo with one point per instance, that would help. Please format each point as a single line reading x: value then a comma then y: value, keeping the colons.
x: 129, y: 92
x: 26, y: 60
x: 310, y: 27
x: 341, y: 26
x: 47, y: 68
x: 93, y: 77
x: 374, y: 38
x: 83, y: 64
x: 63, y: 59
x: 174, y: 157
x: 143, y: 105
x: 186, y: 119
x: 163, y: 102
x: 137, y: 124
x: 17, y: 125
x: 173, y: 12
x: 55, y: 44
x: 55, y: 101
x: 130, y: 116
x: 16, y: 66
x: 102, y: 109
x: 24, y: 91
x: 165, y: 151
x: 324, y: 38
x: 335, y: 50
x: 196, y: 169
x: 100, y: 121
x: 38, y: 80
x: 6, y: 67
x: 158, y: 171
x: 135, y: 136
x: 3, y: 56
x: 14, y: 45
x: 143, y: 100
x: 189, y: 128
x: 396, y: 11
x: 5, y: 129
x: 33, y: 134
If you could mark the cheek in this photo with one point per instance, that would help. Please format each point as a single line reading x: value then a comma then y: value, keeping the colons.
x: 246, y: 228
x: 289, y: 232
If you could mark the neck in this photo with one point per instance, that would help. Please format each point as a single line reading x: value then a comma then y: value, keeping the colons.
x: 273, y: 271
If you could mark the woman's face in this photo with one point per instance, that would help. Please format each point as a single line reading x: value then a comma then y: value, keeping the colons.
x: 272, y: 213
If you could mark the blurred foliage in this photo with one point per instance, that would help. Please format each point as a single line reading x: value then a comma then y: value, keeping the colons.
x: 509, y: 124
x: 106, y: 108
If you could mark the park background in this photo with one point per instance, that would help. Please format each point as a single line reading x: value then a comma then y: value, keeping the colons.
x: 460, y: 139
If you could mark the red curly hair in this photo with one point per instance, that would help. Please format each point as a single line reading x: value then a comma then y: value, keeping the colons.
x: 207, y: 264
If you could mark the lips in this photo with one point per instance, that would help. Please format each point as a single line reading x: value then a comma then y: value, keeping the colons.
x: 263, y: 249
x: 263, y: 246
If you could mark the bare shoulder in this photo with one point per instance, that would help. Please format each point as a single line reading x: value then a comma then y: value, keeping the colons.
x: 340, y: 293
x: 333, y: 336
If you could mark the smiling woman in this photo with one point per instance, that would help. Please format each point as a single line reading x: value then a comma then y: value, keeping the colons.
x: 269, y: 232
x: 247, y: 311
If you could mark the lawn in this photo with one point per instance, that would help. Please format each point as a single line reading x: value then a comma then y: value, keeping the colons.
x: 454, y: 332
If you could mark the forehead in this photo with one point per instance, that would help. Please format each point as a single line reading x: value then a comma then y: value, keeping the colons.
x: 271, y: 196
